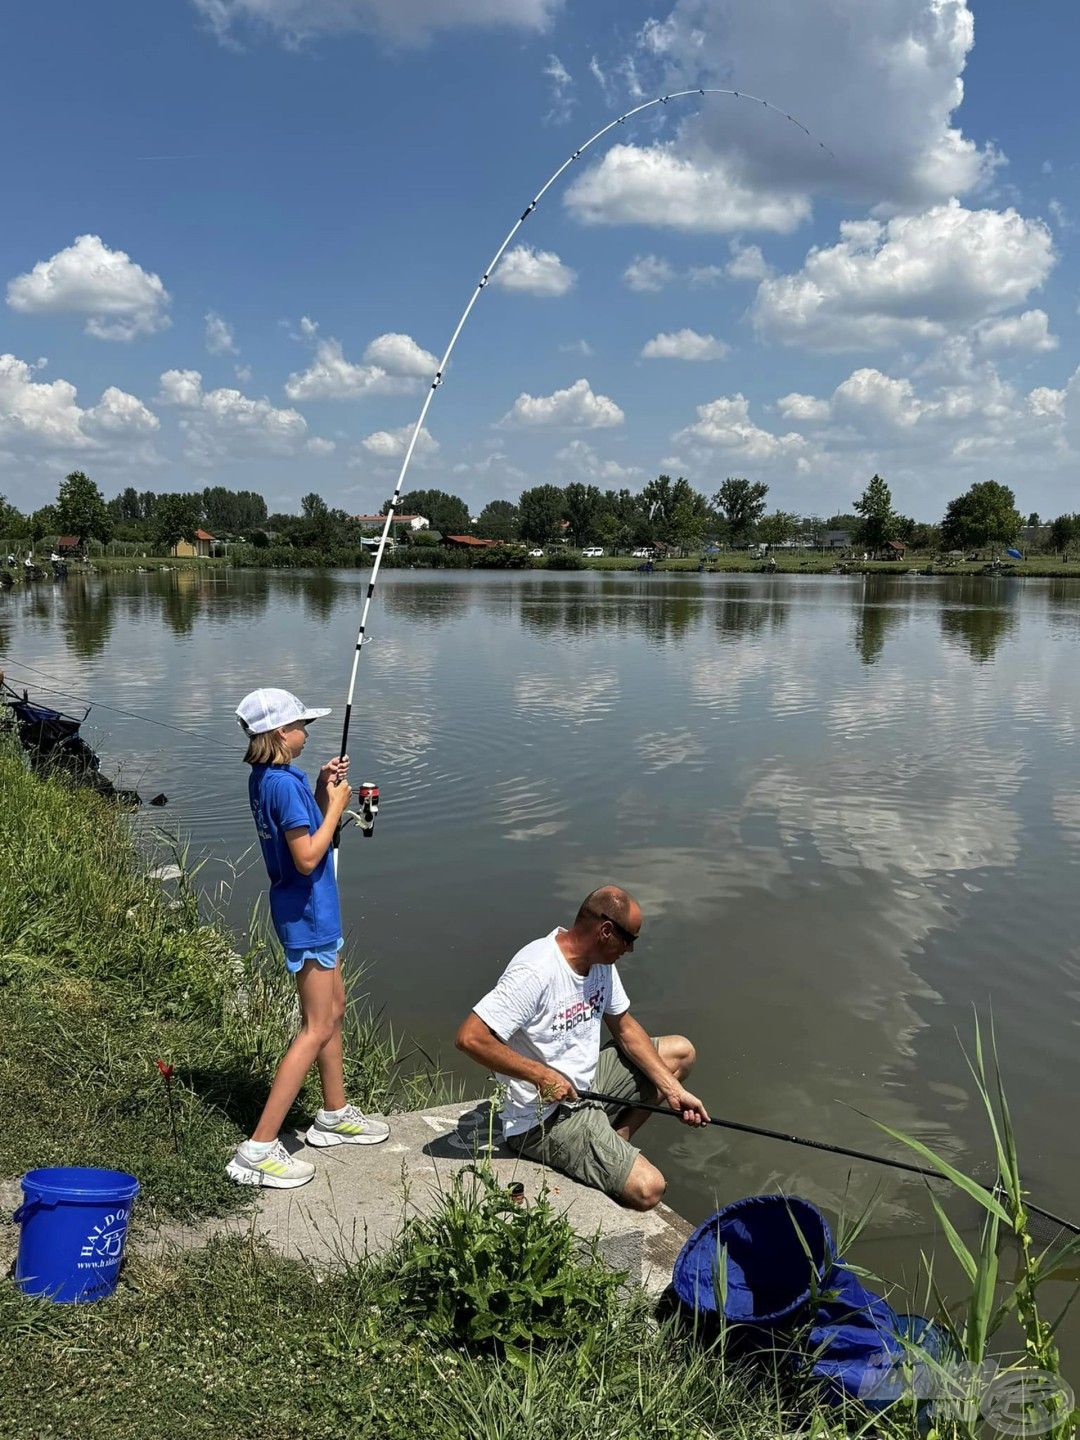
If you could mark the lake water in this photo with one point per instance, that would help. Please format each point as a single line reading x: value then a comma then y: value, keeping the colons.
x: 849, y: 807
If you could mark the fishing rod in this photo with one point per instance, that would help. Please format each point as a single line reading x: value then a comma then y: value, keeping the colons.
x: 922, y: 1170
x: 437, y: 379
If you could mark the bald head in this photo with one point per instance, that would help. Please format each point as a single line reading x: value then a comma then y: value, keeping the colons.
x: 611, y: 901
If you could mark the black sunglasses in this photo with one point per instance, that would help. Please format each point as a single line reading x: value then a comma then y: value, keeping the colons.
x: 626, y: 936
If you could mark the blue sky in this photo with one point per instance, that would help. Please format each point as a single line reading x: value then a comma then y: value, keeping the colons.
x: 232, y: 247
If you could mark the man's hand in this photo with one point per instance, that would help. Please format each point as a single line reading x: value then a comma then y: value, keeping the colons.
x: 688, y: 1107
x: 555, y: 1087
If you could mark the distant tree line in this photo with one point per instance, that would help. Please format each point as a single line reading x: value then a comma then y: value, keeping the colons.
x: 666, y: 511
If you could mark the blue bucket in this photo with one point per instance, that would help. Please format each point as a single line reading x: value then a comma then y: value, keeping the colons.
x: 74, y: 1224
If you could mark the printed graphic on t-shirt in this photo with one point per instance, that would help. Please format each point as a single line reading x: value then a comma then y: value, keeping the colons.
x: 580, y: 1013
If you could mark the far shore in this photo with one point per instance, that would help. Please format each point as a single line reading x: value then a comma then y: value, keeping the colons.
x: 780, y: 562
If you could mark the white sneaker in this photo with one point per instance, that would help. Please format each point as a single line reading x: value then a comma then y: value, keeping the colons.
x: 277, y: 1170
x: 351, y: 1127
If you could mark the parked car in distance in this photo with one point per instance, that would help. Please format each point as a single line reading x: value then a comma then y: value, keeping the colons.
x: 536, y: 554
x: 643, y: 552
x: 593, y: 552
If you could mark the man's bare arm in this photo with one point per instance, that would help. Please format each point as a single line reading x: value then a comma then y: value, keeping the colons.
x: 633, y: 1040
x: 481, y: 1044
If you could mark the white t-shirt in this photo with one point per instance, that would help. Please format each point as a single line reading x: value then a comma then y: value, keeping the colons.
x: 544, y: 1010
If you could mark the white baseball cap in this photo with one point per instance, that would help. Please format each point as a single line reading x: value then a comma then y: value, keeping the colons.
x: 265, y: 710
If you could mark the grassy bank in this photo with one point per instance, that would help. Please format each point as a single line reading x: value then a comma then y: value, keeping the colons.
x: 103, y: 973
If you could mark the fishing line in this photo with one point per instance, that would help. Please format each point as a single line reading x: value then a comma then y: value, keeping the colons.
x: 113, y: 709
x: 480, y: 287
x: 922, y: 1170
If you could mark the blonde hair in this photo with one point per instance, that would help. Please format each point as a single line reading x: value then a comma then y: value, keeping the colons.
x: 267, y: 749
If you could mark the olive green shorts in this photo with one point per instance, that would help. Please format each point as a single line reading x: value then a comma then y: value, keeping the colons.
x: 579, y: 1139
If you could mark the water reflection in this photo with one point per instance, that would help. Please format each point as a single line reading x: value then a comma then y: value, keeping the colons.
x: 87, y: 615
x: 979, y: 629
x: 321, y: 594
x: 883, y: 607
x: 584, y: 611
x: 432, y: 602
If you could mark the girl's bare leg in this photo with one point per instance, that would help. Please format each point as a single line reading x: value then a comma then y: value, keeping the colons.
x: 331, y: 1069
x: 321, y: 1019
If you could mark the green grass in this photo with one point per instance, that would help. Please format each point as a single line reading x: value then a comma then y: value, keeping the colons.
x: 103, y: 973
x: 231, y: 1340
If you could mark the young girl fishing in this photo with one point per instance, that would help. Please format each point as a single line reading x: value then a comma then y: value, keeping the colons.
x: 296, y: 830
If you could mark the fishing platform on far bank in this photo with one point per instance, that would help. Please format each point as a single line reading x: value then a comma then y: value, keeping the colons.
x: 362, y: 1195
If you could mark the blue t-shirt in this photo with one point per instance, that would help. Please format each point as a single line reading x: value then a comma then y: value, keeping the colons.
x: 304, y: 908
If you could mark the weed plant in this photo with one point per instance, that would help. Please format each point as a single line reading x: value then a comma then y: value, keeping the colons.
x: 994, y: 1301
x: 492, y: 1274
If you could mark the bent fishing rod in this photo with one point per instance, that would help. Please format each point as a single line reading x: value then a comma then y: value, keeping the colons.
x: 437, y: 379
x: 744, y: 1129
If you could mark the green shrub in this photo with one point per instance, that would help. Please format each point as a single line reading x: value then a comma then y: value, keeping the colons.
x: 484, y: 1271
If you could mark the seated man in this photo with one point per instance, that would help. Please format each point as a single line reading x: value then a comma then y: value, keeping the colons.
x: 539, y: 1030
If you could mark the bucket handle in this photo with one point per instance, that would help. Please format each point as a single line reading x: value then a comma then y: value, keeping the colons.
x: 29, y: 1205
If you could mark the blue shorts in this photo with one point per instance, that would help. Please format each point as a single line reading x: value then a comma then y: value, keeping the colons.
x: 325, y: 955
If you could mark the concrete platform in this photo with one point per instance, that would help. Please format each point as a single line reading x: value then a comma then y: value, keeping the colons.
x: 361, y: 1196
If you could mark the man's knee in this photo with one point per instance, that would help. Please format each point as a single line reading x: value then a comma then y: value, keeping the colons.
x: 678, y: 1053
x: 645, y: 1186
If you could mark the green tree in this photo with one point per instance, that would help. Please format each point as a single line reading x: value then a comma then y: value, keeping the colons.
x: 176, y: 517
x: 581, y: 507
x: 44, y: 521
x: 781, y: 525
x: 984, y: 515
x: 878, y: 522
x: 128, y: 505
x: 742, y: 505
x: 81, y: 510
x: 1063, y: 533
x: 11, y: 520
x: 320, y: 526
x: 541, y: 510
x: 147, y: 503
x: 444, y: 512
x: 499, y: 520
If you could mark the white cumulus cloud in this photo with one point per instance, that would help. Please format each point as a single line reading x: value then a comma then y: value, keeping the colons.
x: 575, y: 407
x: 534, y: 272
x: 391, y: 444
x: 120, y: 299
x: 220, y: 339
x: 648, y: 273
x: 582, y: 462
x: 655, y: 185
x: 725, y: 424
x: 44, y: 416
x: 914, y: 277
x: 685, y: 345
x: 746, y: 263
x: 802, y: 407
x: 225, y: 424
x: 839, y: 61
x: 392, y: 365
x: 1029, y: 331
x: 400, y: 355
